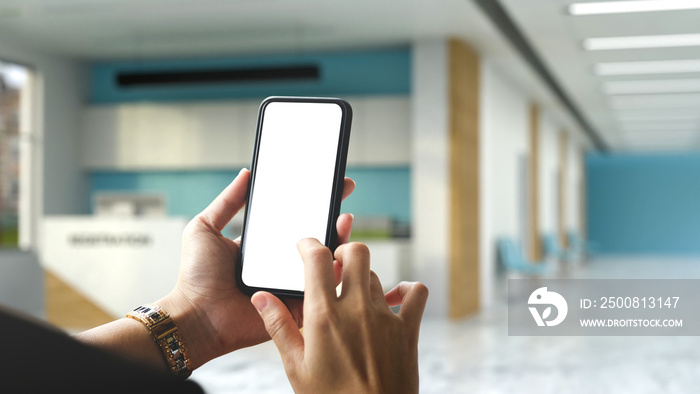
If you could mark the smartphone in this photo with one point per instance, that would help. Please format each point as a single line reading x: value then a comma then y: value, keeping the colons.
x: 295, y: 189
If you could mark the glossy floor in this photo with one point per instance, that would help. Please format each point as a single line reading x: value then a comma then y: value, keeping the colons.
x: 477, y: 355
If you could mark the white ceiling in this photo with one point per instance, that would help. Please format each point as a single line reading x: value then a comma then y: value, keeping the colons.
x: 137, y: 29
x: 155, y: 28
x: 627, y: 121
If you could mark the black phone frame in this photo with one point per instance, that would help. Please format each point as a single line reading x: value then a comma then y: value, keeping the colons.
x: 331, y: 240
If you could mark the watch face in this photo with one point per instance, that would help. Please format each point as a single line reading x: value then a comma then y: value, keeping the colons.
x: 152, y: 314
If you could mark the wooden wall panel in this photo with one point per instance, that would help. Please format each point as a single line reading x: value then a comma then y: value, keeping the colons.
x: 583, y: 201
x: 534, y: 243
x: 563, y: 192
x: 464, y: 179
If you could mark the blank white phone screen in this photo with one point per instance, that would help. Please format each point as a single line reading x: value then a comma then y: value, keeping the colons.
x: 291, y: 193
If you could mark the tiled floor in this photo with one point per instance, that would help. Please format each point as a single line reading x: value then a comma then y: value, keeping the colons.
x: 477, y: 355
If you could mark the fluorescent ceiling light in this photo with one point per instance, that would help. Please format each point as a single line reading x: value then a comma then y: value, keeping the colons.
x: 652, y: 86
x: 660, y: 138
x: 665, y: 150
x: 661, y: 134
x: 661, y: 146
x: 636, y: 42
x: 646, y: 115
x: 652, y: 67
x: 656, y: 101
x: 657, y: 118
x: 660, y: 126
x: 618, y: 7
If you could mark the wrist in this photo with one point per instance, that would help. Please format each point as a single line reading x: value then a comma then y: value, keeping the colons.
x: 167, y: 336
x: 194, y: 329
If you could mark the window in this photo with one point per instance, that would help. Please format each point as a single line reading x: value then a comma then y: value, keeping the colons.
x: 13, y: 79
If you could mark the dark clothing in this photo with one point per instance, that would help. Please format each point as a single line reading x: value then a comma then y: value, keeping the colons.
x: 35, y: 358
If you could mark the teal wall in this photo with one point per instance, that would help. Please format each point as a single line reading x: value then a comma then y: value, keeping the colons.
x: 644, y: 204
x: 385, y: 71
x: 380, y: 191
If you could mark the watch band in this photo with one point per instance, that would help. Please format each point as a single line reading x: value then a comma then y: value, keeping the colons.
x: 167, y: 336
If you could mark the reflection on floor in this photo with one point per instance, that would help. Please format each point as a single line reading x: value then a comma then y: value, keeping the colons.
x: 477, y: 355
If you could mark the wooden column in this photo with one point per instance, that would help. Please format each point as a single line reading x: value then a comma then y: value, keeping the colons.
x: 464, y: 178
x: 534, y: 243
x: 563, y: 193
x: 582, y: 201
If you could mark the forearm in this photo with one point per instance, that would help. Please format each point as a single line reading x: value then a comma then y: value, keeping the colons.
x: 128, y: 338
x: 131, y: 338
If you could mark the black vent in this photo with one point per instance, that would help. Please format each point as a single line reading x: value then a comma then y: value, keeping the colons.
x: 214, y: 76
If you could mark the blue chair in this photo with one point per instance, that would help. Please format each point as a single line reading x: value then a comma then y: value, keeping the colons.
x: 554, y: 251
x: 513, y: 260
x: 580, y: 245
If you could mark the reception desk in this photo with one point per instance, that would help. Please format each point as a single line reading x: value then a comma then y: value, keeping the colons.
x: 116, y: 263
x: 120, y: 263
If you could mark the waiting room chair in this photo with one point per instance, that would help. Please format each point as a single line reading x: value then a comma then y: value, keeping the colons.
x: 580, y: 246
x: 555, y: 252
x: 513, y: 260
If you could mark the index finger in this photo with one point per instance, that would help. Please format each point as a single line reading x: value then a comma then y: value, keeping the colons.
x: 319, y: 275
x: 228, y: 202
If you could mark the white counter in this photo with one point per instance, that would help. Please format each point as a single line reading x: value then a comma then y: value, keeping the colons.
x: 121, y: 263
x: 116, y: 263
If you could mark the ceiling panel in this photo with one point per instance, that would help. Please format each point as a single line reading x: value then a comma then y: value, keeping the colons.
x: 558, y: 37
x: 155, y: 28
x: 118, y: 29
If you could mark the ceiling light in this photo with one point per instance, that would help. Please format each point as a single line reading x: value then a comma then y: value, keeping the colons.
x: 646, y: 115
x: 661, y: 138
x: 618, y: 7
x: 651, y: 67
x: 660, y: 126
x: 661, y: 134
x: 656, y: 118
x: 652, y: 86
x: 635, y: 42
x: 656, y: 101
x: 665, y: 146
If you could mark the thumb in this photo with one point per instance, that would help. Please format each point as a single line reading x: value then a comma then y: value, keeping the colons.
x: 280, y: 324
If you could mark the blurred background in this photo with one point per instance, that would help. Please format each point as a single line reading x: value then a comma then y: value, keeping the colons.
x: 490, y: 140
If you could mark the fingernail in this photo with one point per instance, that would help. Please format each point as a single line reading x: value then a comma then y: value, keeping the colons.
x: 352, y: 216
x: 237, y: 176
x: 259, y: 303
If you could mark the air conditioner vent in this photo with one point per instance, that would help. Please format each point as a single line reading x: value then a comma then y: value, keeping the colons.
x: 216, y: 76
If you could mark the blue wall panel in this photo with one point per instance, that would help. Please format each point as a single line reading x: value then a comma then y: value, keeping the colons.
x: 644, y: 204
x: 379, y: 192
x: 386, y: 71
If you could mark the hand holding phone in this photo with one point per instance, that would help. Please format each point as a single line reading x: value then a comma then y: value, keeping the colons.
x: 295, y: 189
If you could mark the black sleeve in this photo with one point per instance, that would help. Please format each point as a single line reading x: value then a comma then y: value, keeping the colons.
x: 38, y: 359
